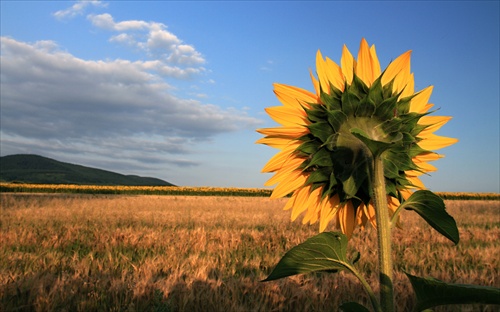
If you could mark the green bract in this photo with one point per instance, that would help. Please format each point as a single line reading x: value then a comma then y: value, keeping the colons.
x: 352, y: 127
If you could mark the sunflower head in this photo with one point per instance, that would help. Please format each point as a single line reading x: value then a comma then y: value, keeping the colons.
x: 328, y: 139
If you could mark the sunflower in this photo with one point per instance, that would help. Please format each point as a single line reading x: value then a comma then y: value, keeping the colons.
x: 328, y: 138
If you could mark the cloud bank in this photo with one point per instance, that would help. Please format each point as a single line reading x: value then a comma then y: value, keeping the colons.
x: 77, y: 9
x: 118, y: 111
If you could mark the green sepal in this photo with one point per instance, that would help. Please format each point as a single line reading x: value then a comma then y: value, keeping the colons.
x: 336, y: 119
x: 357, y: 176
x: 391, y: 171
x: 431, y: 292
x: 366, y: 108
x: 353, y: 307
x: 389, y: 126
x: 321, y: 130
x: 333, y: 183
x: 400, y: 158
x: 317, y: 113
x: 432, y: 209
x: 350, y: 103
x: 331, y: 142
x: 358, y: 87
x: 403, y: 106
x: 385, y: 110
x: 376, y: 91
x: 319, y: 175
x: 322, y: 158
x: 332, y: 101
x: 308, y: 147
x: 323, y: 252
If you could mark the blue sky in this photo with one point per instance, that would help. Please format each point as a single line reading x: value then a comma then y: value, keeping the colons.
x: 175, y: 90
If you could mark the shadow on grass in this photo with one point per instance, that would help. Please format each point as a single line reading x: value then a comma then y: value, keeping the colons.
x: 218, y: 292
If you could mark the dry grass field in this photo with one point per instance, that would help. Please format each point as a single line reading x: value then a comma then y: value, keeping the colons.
x: 77, y: 252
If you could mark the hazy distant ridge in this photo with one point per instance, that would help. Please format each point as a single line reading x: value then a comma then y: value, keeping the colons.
x: 39, y: 169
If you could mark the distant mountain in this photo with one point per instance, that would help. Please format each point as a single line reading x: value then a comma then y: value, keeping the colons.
x: 38, y: 169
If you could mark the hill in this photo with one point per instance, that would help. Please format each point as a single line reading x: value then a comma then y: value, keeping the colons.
x: 39, y: 169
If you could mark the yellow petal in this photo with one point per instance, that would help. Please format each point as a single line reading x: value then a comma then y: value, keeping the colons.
x: 312, y: 205
x: 300, y: 204
x: 293, y: 96
x: 329, y: 209
x: 406, y: 193
x: 420, y: 100
x: 361, y: 218
x: 433, y: 122
x: 291, y: 132
x: 370, y: 214
x: 434, y: 142
x: 394, y: 204
x: 277, y: 142
x: 315, y: 83
x: 322, y: 73
x: 295, y: 180
x: 347, y: 219
x: 368, y: 66
x: 348, y: 64
x: 329, y: 72
x: 426, y: 167
x: 416, y: 182
x: 364, y: 68
x: 287, y: 116
x: 375, y: 63
x: 430, y: 156
x: 400, y: 64
x: 291, y: 202
x: 277, y: 161
x: 288, y: 167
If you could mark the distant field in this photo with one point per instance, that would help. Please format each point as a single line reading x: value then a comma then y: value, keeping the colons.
x: 182, y: 190
x: 84, y: 252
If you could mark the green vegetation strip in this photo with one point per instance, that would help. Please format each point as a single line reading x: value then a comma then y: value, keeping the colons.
x: 187, y: 191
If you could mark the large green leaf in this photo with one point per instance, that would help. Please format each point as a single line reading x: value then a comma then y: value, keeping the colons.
x: 431, y: 292
x: 323, y: 252
x: 432, y: 209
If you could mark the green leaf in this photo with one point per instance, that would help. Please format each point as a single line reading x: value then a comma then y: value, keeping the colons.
x: 323, y: 252
x: 432, y: 209
x: 353, y: 307
x: 375, y: 147
x: 432, y: 292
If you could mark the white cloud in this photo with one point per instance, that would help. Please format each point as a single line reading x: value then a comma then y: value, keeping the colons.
x: 77, y: 9
x: 156, y: 41
x: 116, y: 109
x: 106, y: 21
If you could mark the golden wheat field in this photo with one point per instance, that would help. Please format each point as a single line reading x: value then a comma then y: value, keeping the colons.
x: 84, y: 252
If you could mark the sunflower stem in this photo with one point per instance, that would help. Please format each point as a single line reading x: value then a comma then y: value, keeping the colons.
x: 384, y: 235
